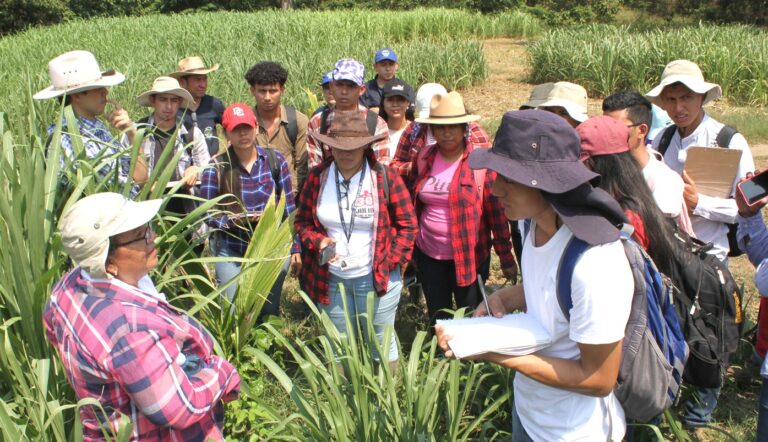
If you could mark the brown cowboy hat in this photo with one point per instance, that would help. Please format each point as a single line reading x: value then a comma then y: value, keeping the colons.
x: 347, y: 131
x: 193, y: 66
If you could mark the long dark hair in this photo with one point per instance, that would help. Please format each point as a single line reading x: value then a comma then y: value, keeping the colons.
x: 621, y: 176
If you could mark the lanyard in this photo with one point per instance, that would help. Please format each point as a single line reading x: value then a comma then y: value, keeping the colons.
x: 348, y: 233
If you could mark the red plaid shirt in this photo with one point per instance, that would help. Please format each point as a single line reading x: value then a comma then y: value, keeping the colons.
x: 470, y: 232
x: 139, y: 357
x: 394, y: 234
x: 414, y: 139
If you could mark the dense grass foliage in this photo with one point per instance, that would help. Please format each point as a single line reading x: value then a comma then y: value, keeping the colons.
x: 433, y: 45
x: 606, y: 58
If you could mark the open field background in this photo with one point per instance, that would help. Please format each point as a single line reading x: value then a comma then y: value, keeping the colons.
x: 490, y: 59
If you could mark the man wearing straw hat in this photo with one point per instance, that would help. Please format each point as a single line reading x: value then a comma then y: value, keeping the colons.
x: 205, y: 111
x: 166, y: 97
x: 78, y: 81
x: 569, y: 100
x: 682, y: 93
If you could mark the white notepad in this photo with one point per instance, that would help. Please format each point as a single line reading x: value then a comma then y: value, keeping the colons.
x: 514, y: 334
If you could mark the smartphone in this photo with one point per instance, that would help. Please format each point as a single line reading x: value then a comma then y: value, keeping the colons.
x: 327, y: 254
x: 755, y: 188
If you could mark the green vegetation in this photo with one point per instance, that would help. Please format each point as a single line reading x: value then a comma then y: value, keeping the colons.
x: 606, y: 58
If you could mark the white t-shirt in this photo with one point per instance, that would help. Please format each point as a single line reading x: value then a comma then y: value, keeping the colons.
x: 711, y: 214
x: 602, y: 290
x: 354, y: 257
x: 394, y: 139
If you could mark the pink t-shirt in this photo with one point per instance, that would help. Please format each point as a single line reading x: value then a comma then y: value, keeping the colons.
x: 434, y: 223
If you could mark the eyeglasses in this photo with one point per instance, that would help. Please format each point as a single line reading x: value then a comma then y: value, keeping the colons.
x: 147, y: 237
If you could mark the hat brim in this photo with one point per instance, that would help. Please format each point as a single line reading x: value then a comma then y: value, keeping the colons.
x: 576, y: 112
x: 551, y: 176
x: 468, y: 118
x: 346, y: 143
x: 108, y: 78
x: 143, y: 99
x: 590, y: 213
x: 199, y: 71
x: 711, y: 91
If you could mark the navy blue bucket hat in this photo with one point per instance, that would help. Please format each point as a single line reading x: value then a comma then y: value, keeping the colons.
x: 539, y: 149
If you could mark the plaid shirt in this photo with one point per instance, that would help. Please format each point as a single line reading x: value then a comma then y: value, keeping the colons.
x: 317, y: 153
x: 414, y: 139
x: 138, y: 356
x: 98, y: 142
x: 470, y: 232
x: 394, y: 232
x: 257, y: 186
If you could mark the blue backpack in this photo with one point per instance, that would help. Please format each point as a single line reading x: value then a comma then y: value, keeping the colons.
x: 654, y: 350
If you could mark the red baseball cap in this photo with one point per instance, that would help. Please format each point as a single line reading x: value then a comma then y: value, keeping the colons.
x: 602, y: 136
x: 237, y: 114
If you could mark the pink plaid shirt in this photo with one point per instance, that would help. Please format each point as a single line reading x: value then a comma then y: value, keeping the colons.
x: 139, y: 357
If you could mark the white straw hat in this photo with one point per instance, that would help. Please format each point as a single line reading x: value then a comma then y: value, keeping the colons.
x: 571, y: 97
x: 76, y: 71
x: 166, y: 85
x: 193, y: 66
x: 87, y: 226
x: 424, y: 98
x: 689, y: 74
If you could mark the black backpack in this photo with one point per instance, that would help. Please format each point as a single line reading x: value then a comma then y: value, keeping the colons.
x: 709, y: 305
x: 723, y: 140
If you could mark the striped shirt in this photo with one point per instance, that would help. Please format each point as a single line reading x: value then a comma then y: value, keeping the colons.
x: 257, y: 186
x: 127, y: 348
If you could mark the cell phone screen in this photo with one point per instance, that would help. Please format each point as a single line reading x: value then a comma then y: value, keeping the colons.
x: 755, y: 188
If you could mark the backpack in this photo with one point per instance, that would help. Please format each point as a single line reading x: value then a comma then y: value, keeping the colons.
x: 654, y: 351
x: 723, y: 139
x: 292, y: 130
x: 709, y: 308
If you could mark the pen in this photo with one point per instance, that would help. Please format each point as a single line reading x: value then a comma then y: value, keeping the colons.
x: 481, y: 285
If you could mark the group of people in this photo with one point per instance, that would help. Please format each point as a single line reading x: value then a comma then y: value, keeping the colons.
x: 384, y: 181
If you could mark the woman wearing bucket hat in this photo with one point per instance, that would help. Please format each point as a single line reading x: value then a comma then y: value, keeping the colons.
x: 166, y: 97
x: 458, y: 217
x: 357, y: 228
x: 563, y: 392
x: 417, y: 135
x: 120, y: 341
x: 682, y: 93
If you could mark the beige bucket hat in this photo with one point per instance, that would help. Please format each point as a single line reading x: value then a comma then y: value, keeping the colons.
x: 165, y: 85
x: 448, y: 109
x: 539, y: 95
x: 87, y: 226
x: 348, y: 131
x: 193, y: 65
x: 689, y: 74
x: 571, y: 97
x: 77, y: 71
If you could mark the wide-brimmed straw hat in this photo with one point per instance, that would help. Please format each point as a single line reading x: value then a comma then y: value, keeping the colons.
x: 689, y: 74
x: 165, y: 85
x: 87, y: 226
x: 540, y: 150
x: 571, y: 97
x: 448, y: 109
x: 347, y: 131
x: 77, y: 71
x: 539, y: 95
x: 193, y: 66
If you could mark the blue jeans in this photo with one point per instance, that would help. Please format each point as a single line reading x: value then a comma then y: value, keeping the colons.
x: 698, y: 410
x: 356, y: 292
x: 226, y: 271
x: 518, y: 432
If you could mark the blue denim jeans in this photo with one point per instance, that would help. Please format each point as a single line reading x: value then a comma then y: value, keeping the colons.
x: 518, y: 432
x: 699, y: 409
x: 356, y: 292
x: 225, y: 271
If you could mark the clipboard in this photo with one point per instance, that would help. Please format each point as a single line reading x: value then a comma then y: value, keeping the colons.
x: 713, y: 169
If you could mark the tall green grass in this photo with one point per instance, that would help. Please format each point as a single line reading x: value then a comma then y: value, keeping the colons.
x: 605, y: 59
x: 433, y: 45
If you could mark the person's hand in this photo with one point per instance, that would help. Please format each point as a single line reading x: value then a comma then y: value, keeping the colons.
x: 190, y: 176
x: 510, y: 273
x: 295, y: 265
x: 442, y: 340
x: 690, y: 193
x: 744, y: 209
x: 119, y: 118
x: 496, y: 305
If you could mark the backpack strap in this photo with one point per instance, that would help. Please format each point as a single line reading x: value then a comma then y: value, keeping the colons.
x: 292, y: 130
x: 723, y: 138
x: 571, y: 255
x: 666, y: 138
x: 324, y: 120
x: 274, y: 169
